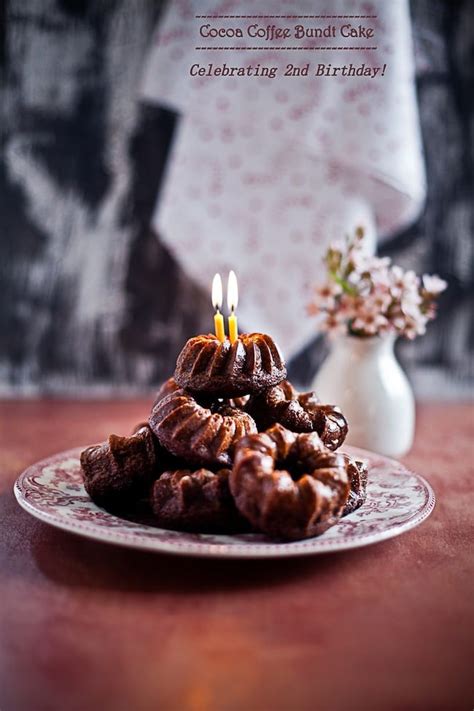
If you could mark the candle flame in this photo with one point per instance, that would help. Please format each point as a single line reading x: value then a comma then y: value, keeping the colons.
x: 232, y: 291
x: 217, y: 292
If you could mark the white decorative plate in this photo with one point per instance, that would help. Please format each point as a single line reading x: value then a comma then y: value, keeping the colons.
x: 397, y: 500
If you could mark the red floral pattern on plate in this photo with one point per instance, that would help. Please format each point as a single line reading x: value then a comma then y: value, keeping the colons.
x: 397, y: 500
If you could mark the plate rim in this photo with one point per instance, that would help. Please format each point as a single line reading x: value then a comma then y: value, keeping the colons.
x: 200, y: 549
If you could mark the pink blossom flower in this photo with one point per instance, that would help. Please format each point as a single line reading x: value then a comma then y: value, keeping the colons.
x: 359, y: 260
x: 410, y: 301
x: 368, y: 295
x: 370, y: 323
x: 398, y: 320
x: 410, y: 333
x: 379, y: 300
x: 401, y: 280
x: 433, y: 284
x: 413, y: 329
x: 348, y: 305
x: 415, y: 325
x: 334, y: 323
x: 326, y: 293
x: 381, y: 278
x: 359, y: 283
x: 314, y: 309
x: 379, y: 264
x: 430, y: 312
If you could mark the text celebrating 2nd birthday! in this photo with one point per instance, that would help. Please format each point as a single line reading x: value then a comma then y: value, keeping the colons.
x: 287, y: 34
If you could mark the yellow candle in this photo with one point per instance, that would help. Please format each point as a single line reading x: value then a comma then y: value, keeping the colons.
x: 232, y: 301
x: 219, y: 326
x: 217, y: 303
x: 233, y: 330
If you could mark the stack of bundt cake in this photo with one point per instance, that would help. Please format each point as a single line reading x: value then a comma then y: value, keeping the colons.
x: 231, y: 446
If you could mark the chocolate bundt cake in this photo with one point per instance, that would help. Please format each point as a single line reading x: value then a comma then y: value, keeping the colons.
x: 201, y: 464
x: 289, y: 485
x: 298, y: 412
x: 201, y: 435
x: 121, y: 468
x: 250, y: 364
x: 196, y: 501
x: 168, y: 387
x: 357, y: 472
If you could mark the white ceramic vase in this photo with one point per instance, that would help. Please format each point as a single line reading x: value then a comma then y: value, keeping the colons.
x: 363, y: 377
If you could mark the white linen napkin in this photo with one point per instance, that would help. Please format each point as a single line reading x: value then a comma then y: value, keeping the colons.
x: 264, y: 172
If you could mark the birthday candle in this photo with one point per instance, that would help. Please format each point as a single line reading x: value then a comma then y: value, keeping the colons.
x: 217, y: 303
x: 232, y: 301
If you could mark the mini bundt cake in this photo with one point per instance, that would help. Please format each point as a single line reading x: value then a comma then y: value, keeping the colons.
x: 298, y: 412
x: 121, y: 468
x: 201, y: 435
x: 289, y: 485
x: 196, y: 501
x: 168, y: 387
x: 250, y: 364
x: 357, y: 472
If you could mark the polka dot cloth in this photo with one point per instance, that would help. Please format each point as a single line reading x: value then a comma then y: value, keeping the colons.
x: 265, y: 172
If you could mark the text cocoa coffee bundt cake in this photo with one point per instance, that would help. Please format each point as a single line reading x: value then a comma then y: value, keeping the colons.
x: 248, y: 365
x: 298, y: 412
x: 199, y: 434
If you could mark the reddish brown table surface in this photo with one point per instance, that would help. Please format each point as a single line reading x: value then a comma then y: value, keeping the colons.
x: 87, y: 626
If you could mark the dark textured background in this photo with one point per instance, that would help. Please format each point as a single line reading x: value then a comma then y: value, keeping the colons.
x: 90, y: 301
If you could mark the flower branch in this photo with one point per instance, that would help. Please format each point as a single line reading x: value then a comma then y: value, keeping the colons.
x: 364, y: 295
